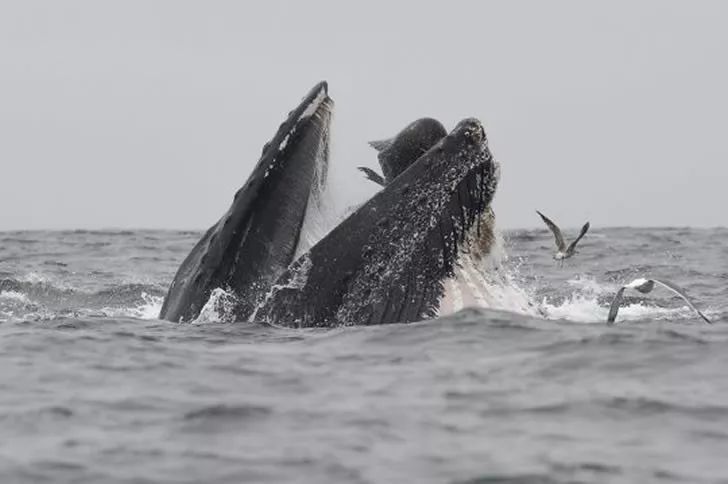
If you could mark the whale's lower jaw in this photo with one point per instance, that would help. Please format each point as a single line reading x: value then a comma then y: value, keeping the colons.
x: 260, y: 234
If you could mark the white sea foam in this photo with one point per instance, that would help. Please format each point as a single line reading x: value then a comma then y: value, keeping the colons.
x: 14, y: 296
x: 486, y: 283
x: 493, y: 284
x: 150, y: 308
x: 586, y: 309
x: 589, y: 285
x: 35, y: 278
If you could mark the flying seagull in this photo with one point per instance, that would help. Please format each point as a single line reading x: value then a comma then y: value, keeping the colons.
x: 564, y: 252
x: 645, y: 286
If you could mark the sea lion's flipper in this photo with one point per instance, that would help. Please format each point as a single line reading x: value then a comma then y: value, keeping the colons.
x: 372, y: 175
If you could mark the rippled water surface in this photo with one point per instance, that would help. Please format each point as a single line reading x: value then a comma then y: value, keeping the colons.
x: 95, y: 389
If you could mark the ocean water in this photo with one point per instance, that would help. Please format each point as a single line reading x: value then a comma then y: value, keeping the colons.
x: 94, y: 389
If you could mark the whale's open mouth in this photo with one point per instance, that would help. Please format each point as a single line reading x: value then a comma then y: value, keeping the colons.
x: 387, y: 262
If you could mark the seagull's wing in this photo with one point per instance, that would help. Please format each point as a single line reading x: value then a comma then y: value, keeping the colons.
x: 583, y: 232
x: 372, y: 175
x: 614, y: 307
x: 680, y: 292
x: 556, y: 231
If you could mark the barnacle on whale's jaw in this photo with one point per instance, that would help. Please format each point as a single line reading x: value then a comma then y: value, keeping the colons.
x: 472, y: 130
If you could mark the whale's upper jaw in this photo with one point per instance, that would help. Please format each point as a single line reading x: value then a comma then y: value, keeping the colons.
x: 388, y: 260
x: 472, y: 129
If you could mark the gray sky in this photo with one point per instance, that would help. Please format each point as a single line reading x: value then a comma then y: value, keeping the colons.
x: 151, y: 114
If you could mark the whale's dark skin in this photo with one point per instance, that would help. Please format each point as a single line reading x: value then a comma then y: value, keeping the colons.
x: 256, y: 239
x: 398, y: 153
x: 387, y: 262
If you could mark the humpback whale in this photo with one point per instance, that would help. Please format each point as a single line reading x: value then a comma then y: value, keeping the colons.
x: 259, y: 236
x: 468, y: 286
x: 399, y: 152
x: 389, y: 261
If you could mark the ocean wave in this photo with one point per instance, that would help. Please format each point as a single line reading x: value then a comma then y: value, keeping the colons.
x: 228, y: 412
x: 36, y: 297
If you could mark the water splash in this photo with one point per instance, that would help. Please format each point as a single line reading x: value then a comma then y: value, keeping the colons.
x: 587, y: 309
x: 586, y: 302
x: 149, y: 309
x: 14, y: 296
x: 218, y: 309
x: 588, y: 285
x: 36, y: 278
x: 298, y: 280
